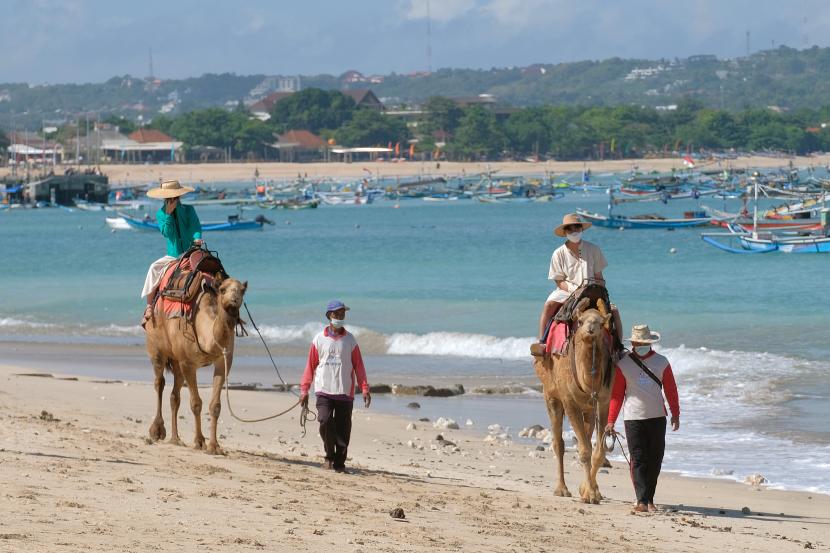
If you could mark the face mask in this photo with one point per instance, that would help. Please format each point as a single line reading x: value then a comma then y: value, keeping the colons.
x: 337, y: 323
x: 642, y: 351
x: 575, y: 237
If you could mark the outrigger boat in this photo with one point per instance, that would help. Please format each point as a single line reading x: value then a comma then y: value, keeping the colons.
x: 741, y: 241
x: 692, y: 219
x: 233, y: 223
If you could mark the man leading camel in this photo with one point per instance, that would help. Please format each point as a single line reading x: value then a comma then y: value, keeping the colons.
x: 180, y: 225
x: 334, y: 364
x: 641, y: 379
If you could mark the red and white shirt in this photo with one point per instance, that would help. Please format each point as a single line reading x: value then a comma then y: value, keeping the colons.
x: 638, y: 394
x: 334, y: 364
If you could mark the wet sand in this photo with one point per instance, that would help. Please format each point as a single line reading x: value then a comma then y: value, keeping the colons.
x: 78, y: 473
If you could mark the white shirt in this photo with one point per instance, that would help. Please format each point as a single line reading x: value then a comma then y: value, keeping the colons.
x: 575, y: 270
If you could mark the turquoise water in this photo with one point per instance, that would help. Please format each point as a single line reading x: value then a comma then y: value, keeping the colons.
x: 453, y: 291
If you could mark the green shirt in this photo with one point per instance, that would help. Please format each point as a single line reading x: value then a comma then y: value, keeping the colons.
x: 180, y: 228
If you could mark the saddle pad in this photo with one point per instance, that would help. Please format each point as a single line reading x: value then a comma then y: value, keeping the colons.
x: 557, y: 338
x: 173, y: 308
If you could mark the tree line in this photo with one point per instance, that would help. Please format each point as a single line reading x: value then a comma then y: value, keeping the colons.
x: 442, y: 129
x: 445, y: 129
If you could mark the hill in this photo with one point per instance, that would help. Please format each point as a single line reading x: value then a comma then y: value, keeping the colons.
x: 785, y: 77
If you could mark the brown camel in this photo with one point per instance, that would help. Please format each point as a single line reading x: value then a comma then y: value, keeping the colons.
x: 173, y: 345
x: 577, y: 384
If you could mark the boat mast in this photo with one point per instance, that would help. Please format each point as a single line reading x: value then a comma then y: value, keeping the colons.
x: 755, y: 210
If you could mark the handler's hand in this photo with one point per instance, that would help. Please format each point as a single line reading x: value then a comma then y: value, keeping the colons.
x: 198, y: 242
x: 609, y: 428
x: 304, y: 400
x: 675, y: 423
x: 367, y: 399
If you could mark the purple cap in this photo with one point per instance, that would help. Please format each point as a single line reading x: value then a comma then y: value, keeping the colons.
x: 334, y: 305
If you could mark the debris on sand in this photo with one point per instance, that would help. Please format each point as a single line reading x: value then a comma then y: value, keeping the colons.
x: 397, y: 513
x: 445, y: 423
x: 47, y: 416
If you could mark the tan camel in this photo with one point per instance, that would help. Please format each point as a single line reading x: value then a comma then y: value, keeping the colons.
x: 172, y: 345
x: 576, y: 384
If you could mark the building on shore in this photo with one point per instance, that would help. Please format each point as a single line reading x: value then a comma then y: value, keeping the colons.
x: 63, y: 189
x: 30, y: 149
x: 142, y: 145
x: 363, y: 98
x: 300, y: 146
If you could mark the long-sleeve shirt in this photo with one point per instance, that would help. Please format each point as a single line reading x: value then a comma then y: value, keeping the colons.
x: 180, y: 228
x: 334, y: 365
x: 638, y: 394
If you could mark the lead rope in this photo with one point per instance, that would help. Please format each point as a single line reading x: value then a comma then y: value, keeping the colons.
x: 305, y: 415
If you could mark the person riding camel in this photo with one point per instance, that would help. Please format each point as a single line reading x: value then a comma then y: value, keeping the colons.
x: 572, y: 264
x: 180, y: 225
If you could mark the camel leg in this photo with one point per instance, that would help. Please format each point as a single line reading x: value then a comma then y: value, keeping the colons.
x: 557, y: 415
x: 597, y: 459
x: 603, y: 420
x: 586, y: 491
x: 157, y: 431
x: 195, y: 405
x: 216, y: 403
x: 175, y: 401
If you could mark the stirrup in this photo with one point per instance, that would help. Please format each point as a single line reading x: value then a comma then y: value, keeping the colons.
x: 538, y: 349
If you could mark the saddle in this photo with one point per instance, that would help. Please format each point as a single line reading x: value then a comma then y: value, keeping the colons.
x: 561, y: 326
x: 185, y: 280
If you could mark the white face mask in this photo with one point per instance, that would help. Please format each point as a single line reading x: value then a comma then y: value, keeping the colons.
x: 642, y: 350
x: 336, y: 323
x: 575, y: 237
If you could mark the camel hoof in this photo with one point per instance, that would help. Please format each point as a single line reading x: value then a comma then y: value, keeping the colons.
x: 606, y: 464
x: 174, y: 440
x: 199, y: 442
x: 561, y: 491
x: 157, y: 431
x: 214, y: 449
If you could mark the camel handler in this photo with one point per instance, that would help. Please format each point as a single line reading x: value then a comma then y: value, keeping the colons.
x: 180, y: 225
x: 641, y: 379
x: 574, y: 263
x: 334, y: 364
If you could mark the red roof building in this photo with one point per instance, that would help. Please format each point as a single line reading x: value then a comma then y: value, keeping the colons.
x: 146, y: 136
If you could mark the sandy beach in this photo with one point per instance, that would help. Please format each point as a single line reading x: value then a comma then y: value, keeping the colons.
x: 78, y: 473
x: 225, y: 172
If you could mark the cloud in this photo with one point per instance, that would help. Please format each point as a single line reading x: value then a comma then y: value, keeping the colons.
x: 439, y: 10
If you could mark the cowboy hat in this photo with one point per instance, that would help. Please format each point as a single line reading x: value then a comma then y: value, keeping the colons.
x: 642, y: 334
x: 169, y: 189
x: 570, y: 219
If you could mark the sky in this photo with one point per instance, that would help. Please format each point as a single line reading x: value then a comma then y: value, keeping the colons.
x: 77, y: 41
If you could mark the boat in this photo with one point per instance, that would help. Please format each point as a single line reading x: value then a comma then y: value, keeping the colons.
x: 233, y: 223
x: 742, y: 242
x: 641, y: 221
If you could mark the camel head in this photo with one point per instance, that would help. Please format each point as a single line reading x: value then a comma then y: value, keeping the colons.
x: 590, y: 322
x: 231, y: 295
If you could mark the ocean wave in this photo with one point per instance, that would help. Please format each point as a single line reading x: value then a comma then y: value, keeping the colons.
x: 10, y: 323
x: 458, y: 344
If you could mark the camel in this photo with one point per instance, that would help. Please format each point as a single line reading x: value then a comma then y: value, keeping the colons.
x: 571, y: 386
x: 172, y: 345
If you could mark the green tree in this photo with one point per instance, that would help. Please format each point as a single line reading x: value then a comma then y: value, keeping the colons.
x: 313, y: 109
x: 370, y: 128
x: 478, y: 135
x: 125, y: 126
x: 252, y: 136
x: 440, y: 114
x: 527, y: 131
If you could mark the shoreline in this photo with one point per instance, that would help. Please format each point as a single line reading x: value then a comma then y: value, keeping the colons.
x: 76, y: 462
x: 244, y: 171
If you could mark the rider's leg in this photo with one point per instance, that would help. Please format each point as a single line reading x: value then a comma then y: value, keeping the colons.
x: 549, y: 310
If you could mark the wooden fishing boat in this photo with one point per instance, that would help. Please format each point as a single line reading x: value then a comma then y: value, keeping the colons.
x: 641, y: 221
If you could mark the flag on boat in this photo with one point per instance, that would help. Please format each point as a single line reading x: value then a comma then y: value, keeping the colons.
x: 688, y: 162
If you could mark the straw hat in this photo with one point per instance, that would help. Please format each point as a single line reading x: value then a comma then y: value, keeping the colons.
x: 642, y: 334
x: 570, y: 219
x: 169, y: 189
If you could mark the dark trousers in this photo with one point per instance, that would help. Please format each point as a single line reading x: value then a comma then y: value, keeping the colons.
x: 646, y: 444
x: 335, y: 418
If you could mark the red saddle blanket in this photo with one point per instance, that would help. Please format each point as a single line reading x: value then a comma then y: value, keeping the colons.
x: 557, y: 338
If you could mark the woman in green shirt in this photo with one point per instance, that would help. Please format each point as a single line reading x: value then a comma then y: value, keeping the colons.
x: 180, y: 225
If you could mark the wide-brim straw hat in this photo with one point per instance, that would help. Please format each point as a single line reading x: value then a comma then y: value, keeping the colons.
x: 169, y: 189
x: 570, y: 219
x: 642, y: 334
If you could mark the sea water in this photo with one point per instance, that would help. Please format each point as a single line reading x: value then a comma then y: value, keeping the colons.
x: 451, y: 292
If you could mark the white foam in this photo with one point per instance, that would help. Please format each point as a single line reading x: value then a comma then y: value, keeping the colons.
x: 12, y: 323
x: 458, y: 344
